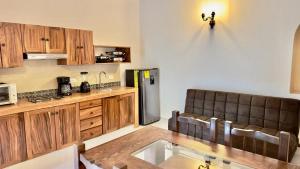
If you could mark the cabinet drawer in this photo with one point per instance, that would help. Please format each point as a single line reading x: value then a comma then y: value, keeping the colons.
x: 90, y: 123
x: 91, y: 133
x: 89, y: 104
x: 91, y: 112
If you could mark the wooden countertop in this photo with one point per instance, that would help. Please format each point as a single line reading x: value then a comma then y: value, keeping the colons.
x: 23, y: 105
x: 120, y: 150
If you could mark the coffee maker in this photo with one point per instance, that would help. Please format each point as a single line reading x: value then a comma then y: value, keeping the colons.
x: 64, y: 86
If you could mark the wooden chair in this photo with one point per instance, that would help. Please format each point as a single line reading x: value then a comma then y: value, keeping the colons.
x: 198, y: 124
x: 282, y: 141
x: 229, y: 131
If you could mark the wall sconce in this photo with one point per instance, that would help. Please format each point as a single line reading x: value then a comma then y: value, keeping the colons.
x: 211, y: 19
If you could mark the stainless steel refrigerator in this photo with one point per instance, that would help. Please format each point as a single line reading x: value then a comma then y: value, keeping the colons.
x: 147, y: 82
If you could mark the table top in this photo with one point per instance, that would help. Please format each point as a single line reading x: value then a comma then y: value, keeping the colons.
x: 120, y: 151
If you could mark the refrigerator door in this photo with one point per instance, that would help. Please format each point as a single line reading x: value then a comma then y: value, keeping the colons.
x: 149, y: 96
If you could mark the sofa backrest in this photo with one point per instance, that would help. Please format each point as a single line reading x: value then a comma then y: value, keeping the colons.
x: 268, y: 112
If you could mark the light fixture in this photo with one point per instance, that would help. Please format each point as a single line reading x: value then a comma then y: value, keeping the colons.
x: 211, y: 19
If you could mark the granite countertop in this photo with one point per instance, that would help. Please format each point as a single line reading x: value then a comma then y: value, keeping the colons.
x: 24, y: 105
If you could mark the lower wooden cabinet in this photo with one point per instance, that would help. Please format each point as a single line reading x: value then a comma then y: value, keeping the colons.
x: 40, y: 132
x: 126, y: 106
x: 12, y: 140
x: 118, y: 112
x: 51, y: 129
x: 111, y: 114
x: 67, y: 125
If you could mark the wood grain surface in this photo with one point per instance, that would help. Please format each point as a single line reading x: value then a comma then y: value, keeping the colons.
x: 120, y: 150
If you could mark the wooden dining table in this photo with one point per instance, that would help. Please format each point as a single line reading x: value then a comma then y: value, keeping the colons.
x: 120, y: 151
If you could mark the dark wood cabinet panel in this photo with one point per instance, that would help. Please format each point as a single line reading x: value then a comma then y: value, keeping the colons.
x: 11, y: 48
x: 86, y: 40
x: 34, y: 39
x: 67, y: 125
x: 111, y: 114
x: 126, y: 103
x: 40, y: 131
x: 12, y: 140
x: 55, y: 40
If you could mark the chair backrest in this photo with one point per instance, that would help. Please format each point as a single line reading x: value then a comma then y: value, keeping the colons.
x: 198, y: 125
x: 282, y: 141
x: 229, y: 131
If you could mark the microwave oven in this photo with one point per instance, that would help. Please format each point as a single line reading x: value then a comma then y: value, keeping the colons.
x: 8, y: 94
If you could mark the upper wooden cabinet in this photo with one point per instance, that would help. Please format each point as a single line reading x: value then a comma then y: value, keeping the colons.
x: 41, y: 39
x: 126, y: 106
x: 11, y: 48
x: 67, y: 125
x: 80, y: 49
x: 12, y: 140
x: 40, y: 132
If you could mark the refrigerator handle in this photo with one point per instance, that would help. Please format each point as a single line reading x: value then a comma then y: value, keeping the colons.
x: 144, y: 95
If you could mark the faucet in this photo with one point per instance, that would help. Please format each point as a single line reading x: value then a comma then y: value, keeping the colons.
x: 100, y: 81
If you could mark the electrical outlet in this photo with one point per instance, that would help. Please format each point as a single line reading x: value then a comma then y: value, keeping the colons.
x: 110, y: 77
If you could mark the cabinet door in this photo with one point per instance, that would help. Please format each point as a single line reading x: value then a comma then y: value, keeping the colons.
x: 12, y: 140
x: 126, y: 103
x: 55, y: 40
x: 67, y: 125
x: 40, y: 131
x: 11, y: 48
x: 34, y: 39
x: 111, y: 114
x: 73, y: 48
x: 87, y: 45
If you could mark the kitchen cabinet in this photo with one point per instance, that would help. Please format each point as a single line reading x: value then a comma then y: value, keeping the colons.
x: 11, y: 48
x: 126, y: 107
x: 40, y: 131
x: 12, y: 140
x: 67, y: 125
x: 50, y: 129
x: 42, y: 39
x: 111, y: 114
x: 91, y: 119
x: 80, y: 49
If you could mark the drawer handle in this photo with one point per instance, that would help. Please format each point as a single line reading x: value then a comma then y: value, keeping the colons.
x: 91, y: 134
x: 91, y: 103
x: 91, y: 113
x: 92, y: 123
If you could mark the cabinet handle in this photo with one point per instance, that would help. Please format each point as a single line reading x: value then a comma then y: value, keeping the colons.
x: 92, y: 134
x: 3, y: 44
x: 92, y: 123
x: 47, y: 40
x: 91, y: 104
x: 56, y: 113
x: 82, y: 47
x: 53, y: 113
x: 91, y: 113
x: 43, y: 39
x: 78, y: 47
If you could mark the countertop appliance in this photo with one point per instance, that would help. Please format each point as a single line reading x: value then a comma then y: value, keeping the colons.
x: 8, y: 94
x: 64, y: 86
x: 85, y: 86
x: 147, y: 82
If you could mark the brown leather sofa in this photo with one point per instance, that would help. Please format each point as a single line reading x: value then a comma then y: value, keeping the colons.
x: 261, y: 113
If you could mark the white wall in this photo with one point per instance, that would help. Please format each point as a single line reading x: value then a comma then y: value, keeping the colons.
x: 114, y: 22
x: 249, y: 52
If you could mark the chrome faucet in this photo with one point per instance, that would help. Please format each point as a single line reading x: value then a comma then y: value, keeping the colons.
x: 100, y: 81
